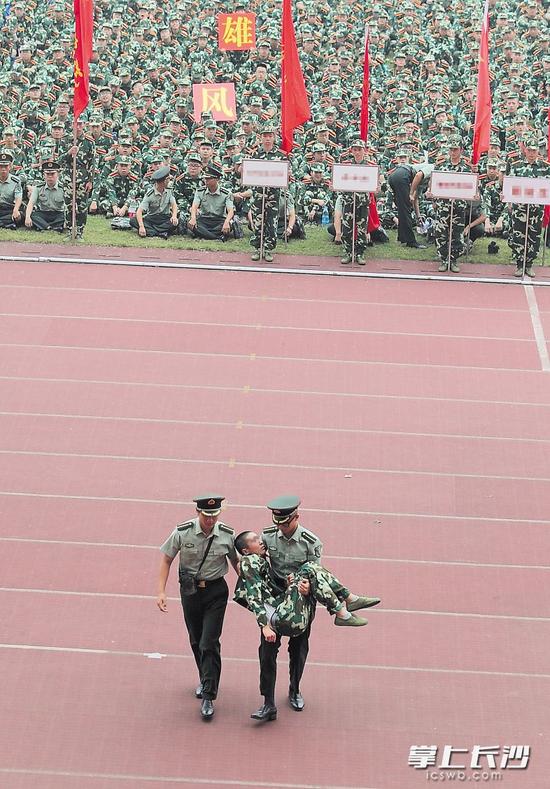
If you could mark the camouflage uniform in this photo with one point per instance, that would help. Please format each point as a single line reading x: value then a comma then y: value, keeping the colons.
x: 443, y: 218
x: 270, y: 205
x: 518, y: 220
x: 289, y: 613
x: 344, y: 203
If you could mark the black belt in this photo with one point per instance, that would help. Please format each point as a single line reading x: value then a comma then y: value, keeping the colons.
x: 203, y: 584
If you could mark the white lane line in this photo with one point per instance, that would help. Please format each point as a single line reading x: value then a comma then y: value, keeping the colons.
x: 331, y: 557
x: 252, y: 389
x: 538, y: 329
x: 248, y: 297
x: 170, y: 779
x: 379, y: 612
x: 263, y: 357
x: 269, y: 327
x: 184, y: 503
x: 251, y: 464
x: 316, y: 663
x: 262, y: 426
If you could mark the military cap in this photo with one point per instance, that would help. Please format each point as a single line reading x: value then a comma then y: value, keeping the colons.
x: 402, y: 152
x: 237, y: 159
x: 160, y: 174
x: 184, y: 81
x: 209, y: 504
x: 317, y: 168
x: 57, y: 124
x: 204, y: 141
x: 322, y: 128
x: 283, y: 508
x: 166, y: 133
x: 318, y: 147
x: 6, y: 157
x: 531, y: 141
x: 493, y: 162
x: 213, y: 172
x: 331, y: 111
x: 50, y: 165
x: 256, y: 101
x: 454, y: 141
x: 123, y: 160
x: 9, y: 130
x: 194, y: 157
x: 231, y: 144
x: 357, y: 144
x: 269, y: 128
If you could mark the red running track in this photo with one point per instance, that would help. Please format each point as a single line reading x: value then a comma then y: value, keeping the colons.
x: 411, y: 417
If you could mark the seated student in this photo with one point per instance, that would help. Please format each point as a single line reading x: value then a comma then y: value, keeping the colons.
x: 11, y: 194
x: 157, y: 214
x: 46, y: 206
x: 289, y: 613
x: 212, y: 209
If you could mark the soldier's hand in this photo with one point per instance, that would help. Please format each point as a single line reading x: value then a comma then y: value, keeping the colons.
x: 192, y: 223
x: 269, y: 634
x: 161, y: 602
x: 174, y: 220
x: 28, y: 221
x: 338, y: 238
x: 142, y: 232
x: 304, y: 587
x: 289, y: 579
x: 93, y: 206
x: 16, y: 215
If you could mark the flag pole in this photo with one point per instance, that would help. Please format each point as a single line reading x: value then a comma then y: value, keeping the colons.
x: 73, y: 201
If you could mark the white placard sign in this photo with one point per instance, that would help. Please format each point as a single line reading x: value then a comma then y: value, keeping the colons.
x: 354, y: 178
x: 265, y: 172
x: 454, y: 186
x: 518, y: 189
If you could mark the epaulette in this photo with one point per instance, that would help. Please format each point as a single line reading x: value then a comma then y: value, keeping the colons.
x: 270, y: 530
x: 224, y: 191
x: 308, y: 537
x: 227, y: 529
x: 185, y: 526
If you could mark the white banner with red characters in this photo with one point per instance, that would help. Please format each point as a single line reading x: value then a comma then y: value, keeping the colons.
x: 354, y: 178
x: 237, y: 31
x: 454, y: 186
x: 265, y: 172
x: 517, y: 189
x: 215, y: 97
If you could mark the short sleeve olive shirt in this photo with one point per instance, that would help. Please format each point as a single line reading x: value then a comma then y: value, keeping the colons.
x: 288, y: 554
x: 190, y: 541
x: 156, y: 202
x: 213, y: 203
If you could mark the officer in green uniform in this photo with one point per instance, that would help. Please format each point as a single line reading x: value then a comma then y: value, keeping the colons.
x: 46, y: 206
x: 204, y: 545
x: 11, y: 194
x: 289, y: 613
x: 157, y: 214
x: 289, y: 546
x: 212, y: 209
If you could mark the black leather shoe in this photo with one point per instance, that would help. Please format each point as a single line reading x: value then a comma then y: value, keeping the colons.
x: 198, y: 691
x: 266, y: 713
x: 296, y: 701
x: 207, y: 709
x: 416, y: 245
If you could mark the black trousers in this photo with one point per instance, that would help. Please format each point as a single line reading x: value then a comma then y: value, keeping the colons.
x: 298, y: 648
x: 209, y: 227
x: 48, y: 220
x: 400, y: 182
x: 204, y: 613
x: 155, y: 224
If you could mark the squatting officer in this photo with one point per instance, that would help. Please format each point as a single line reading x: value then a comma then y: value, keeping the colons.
x: 204, y: 545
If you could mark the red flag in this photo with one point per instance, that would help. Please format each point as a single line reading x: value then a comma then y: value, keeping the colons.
x: 546, y: 216
x: 83, y: 35
x: 364, y: 129
x: 482, y: 123
x: 294, y: 104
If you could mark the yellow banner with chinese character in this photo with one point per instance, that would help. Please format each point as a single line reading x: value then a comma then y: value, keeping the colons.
x: 218, y: 98
x: 237, y: 31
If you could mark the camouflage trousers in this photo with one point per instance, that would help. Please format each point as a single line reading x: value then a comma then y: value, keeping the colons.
x: 516, y: 234
x: 361, y: 223
x: 441, y: 229
x: 294, y: 612
x: 270, y: 214
x: 82, y: 201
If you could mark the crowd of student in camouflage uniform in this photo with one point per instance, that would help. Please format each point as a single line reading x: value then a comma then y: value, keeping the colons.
x: 147, y: 55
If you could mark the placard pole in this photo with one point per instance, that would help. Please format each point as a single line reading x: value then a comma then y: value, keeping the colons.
x: 468, y: 236
x: 450, y: 234
x: 353, y: 230
x: 544, y: 242
x: 526, y: 237
x: 262, y: 225
x: 285, y: 222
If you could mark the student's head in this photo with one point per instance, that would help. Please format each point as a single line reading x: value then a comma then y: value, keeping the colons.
x: 248, y: 542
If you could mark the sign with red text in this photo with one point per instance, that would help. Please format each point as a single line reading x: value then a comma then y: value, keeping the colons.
x: 265, y: 172
x: 215, y: 97
x: 237, y: 31
x: 355, y: 178
x: 517, y: 189
x: 454, y: 186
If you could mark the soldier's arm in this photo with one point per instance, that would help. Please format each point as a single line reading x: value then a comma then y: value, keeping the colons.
x: 164, y: 571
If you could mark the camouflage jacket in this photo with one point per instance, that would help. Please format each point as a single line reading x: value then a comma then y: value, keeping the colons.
x: 255, y: 587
